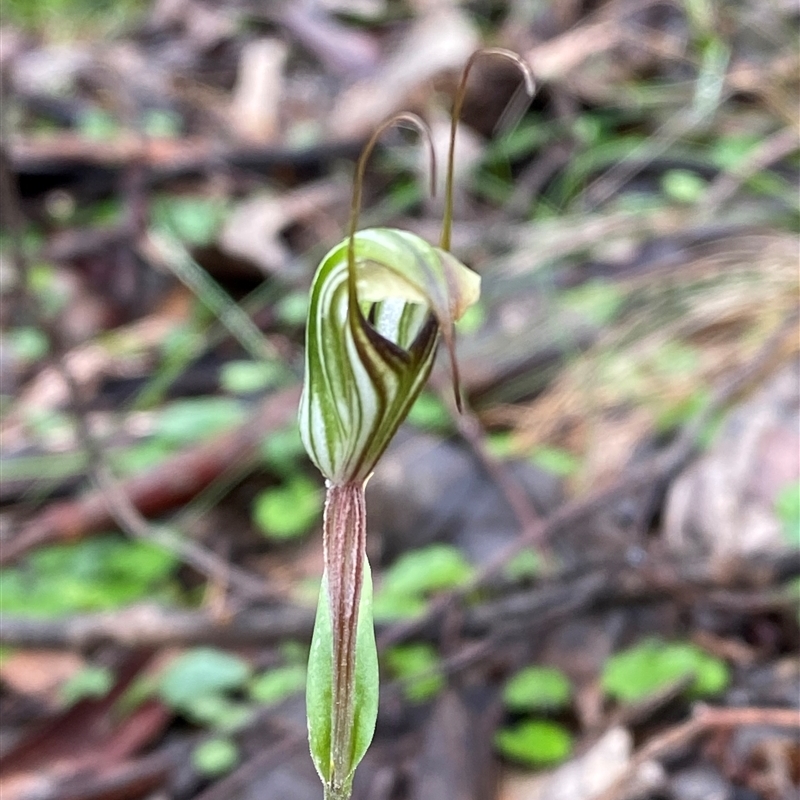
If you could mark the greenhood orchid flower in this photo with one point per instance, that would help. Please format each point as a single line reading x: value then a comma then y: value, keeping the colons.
x: 363, y: 374
x: 380, y: 303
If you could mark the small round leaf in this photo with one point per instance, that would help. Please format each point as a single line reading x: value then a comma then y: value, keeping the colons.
x: 215, y: 757
x: 537, y: 689
x: 535, y: 743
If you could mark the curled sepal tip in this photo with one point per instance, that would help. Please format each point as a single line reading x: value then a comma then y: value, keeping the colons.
x: 461, y: 93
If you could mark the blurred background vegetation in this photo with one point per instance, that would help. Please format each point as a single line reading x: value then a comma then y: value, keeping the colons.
x: 173, y: 171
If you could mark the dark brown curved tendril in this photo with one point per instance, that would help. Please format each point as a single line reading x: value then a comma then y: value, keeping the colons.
x: 458, y: 102
x: 355, y: 206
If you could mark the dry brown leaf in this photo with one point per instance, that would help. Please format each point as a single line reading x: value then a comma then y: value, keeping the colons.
x: 39, y: 673
x: 442, y: 40
x: 255, y: 108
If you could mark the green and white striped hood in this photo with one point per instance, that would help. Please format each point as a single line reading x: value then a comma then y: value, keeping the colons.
x: 370, y: 343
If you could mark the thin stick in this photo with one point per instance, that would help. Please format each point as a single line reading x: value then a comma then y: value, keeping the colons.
x: 704, y: 720
x: 773, y: 149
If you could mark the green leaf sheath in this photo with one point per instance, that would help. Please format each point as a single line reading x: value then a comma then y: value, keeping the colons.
x: 362, y: 375
x: 342, y: 688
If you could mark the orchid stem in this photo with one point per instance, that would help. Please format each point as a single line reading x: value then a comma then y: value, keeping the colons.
x: 344, y: 545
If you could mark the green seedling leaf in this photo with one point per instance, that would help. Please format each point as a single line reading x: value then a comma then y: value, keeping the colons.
x: 419, y: 667
x: 217, y: 711
x: 730, y: 152
x: 500, y: 444
x: 282, y: 449
x: 162, y: 124
x: 428, y: 569
x: 526, y: 564
x: 215, y: 757
x: 417, y: 574
x: 598, y: 301
x: 98, y: 574
x: 277, y: 684
x: 682, y: 186
x: 711, y: 675
x: 525, y: 139
x: 202, y: 671
x: 652, y: 666
x: 556, y: 461
x: 48, y: 466
x: 429, y: 413
x: 94, y: 123
x: 105, y: 212
x: 676, y: 358
x: 28, y: 344
x: 709, y: 433
x: 680, y: 412
x: 188, y: 421
x: 194, y: 220
x: 497, y: 189
x: 787, y: 507
x: 141, y: 457
x: 294, y: 653
x: 588, y: 129
x: 44, y: 283
x: 535, y: 743
x: 288, y: 511
x: 389, y: 607
x: 91, y: 681
x: 72, y: 21
x: 141, y: 689
x: 537, y: 689
x: 181, y: 344
x: 292, y: 309
x: 246, y: 377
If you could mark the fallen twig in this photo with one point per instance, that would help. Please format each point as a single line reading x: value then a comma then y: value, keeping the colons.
x: 293, y: 742
x: 704, y: 719
x: 126, y: 781
x: 172, y: 483
x: 67, y: 160
x: 153, y: 626
x: 742, y: 590
x: 470, y: 429
x: 773, y: 149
